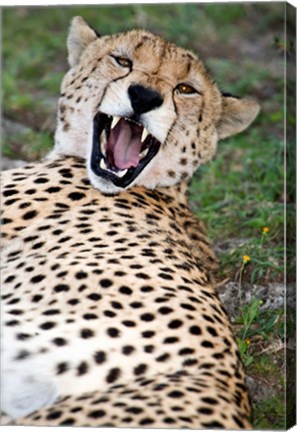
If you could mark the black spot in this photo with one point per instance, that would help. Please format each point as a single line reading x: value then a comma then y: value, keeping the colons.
x: 86, y: 333
x: 76, y: 196
x: 54, y: 415
x: 9, y: 279
x: 105, y: 283
x: 174, y: 324
x: 10, y: 192
x: 100, y: 357
x: 94, y: 297
x: 82, y: 368
x: 134, y: 410
x: 67, y: 422
x: 113, y: 332
x: 207, y: 344
x: 96, y: 414
x: 140, y: 369
x: 170, y: 340
x: 5, y: 221
x: 51, y: 312
x: 128, y: 349
x: 109, y: 314
x: 163, y: 358
x: 37, y: 245
x: 136, y: 305
x: 175, y: 394
x: 53, y: 189
x: 30, y: 215
x: 164, y: 310
x: 205, y: 410
x: 142, y: 275
x: 23, y: 354
x: 125, y: 290
x: 73, y: 302
x: 165, y: 276
x: 129, y: 323
x: 47, y: 325
x: 146, y: 288
x: 147, y: 317
x: 148, y: 334
x: 23, y: 336
x: 190, y: 362
x: 169, y: 420
x: 238, y: 421
x: 116, y: 305
x: 149, y: 348
x: 36, y: 298
x: 186, y: 351
x: 81, y: 275
x: 41, y: 180
x: 195, y: 330
x: 89, y: 316
x: 59, y: 341
x: 30, y: 191
x: 61, y: 287
x: 212, y: 331
x: 61, y: 368
x: 146, y: 421
x: 188, y: 306
x: 213, y: 424
x: 113, y: 375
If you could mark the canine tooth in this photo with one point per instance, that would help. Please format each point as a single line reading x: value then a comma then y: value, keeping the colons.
x: 144, y: 134
x: 144, y: 153
x: 122, y: 173
x: 103, y: 164
x: 115, y: 121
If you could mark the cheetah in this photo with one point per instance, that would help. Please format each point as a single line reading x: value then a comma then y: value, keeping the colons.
x: 110, y: 315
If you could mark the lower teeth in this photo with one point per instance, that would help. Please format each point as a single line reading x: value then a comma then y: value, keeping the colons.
x: 144, y: 153
x: 121, y: 173
x: 103, y: 166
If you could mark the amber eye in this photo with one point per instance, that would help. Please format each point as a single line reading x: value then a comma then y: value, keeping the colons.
x: 123, y: 61
x: 185, y: 89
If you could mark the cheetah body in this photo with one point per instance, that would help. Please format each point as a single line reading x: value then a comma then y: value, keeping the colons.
x: 110, y: 316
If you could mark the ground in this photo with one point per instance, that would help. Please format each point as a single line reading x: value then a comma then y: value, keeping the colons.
x: 237, y: 195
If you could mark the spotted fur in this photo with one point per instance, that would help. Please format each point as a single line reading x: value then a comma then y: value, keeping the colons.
x: 110, y: 315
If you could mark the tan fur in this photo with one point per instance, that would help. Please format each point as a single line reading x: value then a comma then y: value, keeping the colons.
x: 110, y: 315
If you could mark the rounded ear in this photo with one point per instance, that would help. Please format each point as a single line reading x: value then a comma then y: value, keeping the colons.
x: 237, y: 115
x: 79, y: 37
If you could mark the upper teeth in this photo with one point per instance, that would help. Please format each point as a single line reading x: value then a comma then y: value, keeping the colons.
x: 144, y: 134
x: 115, y: 121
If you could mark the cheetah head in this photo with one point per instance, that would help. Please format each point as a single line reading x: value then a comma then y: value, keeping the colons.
x: 140, y: 110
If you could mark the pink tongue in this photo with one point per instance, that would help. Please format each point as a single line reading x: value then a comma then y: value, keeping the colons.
x: 124, y: 146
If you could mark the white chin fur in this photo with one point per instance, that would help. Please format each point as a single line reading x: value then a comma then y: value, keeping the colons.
x: 103, y: 185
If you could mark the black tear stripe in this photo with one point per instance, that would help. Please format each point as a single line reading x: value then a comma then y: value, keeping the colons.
x: 201, y: 112
x: 107, y: 87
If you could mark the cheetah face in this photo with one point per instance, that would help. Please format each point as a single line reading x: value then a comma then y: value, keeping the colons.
x: 140, y: 110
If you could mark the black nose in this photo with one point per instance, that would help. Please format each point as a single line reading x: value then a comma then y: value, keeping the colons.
x: 144, y: 99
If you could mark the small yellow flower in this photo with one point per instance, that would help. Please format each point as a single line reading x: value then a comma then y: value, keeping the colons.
x: 248, y: 341
x: 246, y: 259
x: 265, y: 230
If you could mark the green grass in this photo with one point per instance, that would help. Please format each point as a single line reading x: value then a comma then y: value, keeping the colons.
x: 241, y: 190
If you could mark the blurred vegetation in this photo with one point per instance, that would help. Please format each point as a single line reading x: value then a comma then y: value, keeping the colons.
x: 242, y: 190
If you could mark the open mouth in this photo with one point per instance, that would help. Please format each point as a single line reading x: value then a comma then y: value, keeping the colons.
x: 121, y: 149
